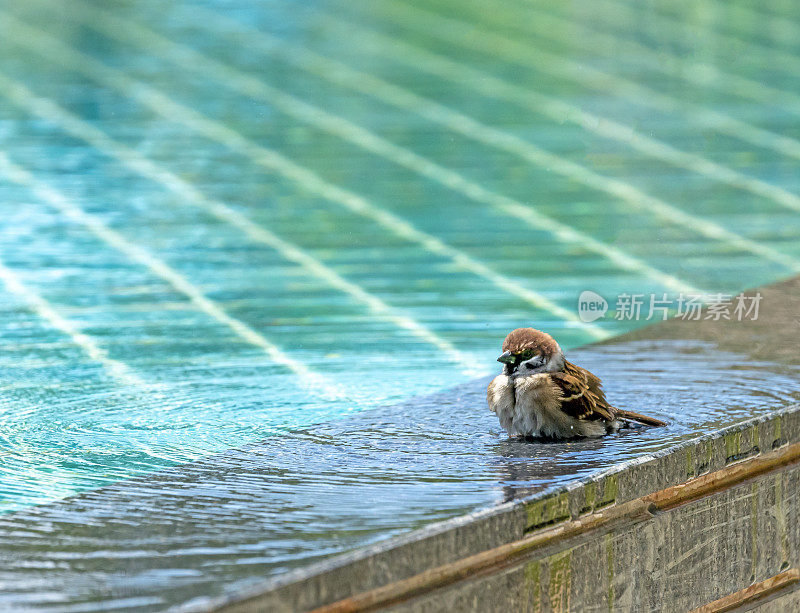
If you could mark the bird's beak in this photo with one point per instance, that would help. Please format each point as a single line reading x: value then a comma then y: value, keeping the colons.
x: 506, y: 358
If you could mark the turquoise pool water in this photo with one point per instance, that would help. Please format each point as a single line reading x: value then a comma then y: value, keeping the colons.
x: 221, y: 222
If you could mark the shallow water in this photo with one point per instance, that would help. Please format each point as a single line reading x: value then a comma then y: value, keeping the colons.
x: 250, y: 513
x: 167, y: 292
x: 235, y: 273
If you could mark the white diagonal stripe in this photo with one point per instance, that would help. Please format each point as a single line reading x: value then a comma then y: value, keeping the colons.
x: 273, y: 160
x: 400, y: 51
x: 44, y: 309
x: 777, y: 58
x: 684, y: 67
x: 190, y: 194
x: 180, y: 283
x: 457, y: 122
x: 190, y: 59
x: 524, y: 53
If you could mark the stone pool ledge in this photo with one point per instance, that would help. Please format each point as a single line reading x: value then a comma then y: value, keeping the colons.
x: 738, y: 529
x: 713, y: 518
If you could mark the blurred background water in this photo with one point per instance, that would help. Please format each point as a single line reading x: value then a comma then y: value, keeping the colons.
x: 225, y: 223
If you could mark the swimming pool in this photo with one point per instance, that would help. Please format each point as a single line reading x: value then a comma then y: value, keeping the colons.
x: 235, y: 225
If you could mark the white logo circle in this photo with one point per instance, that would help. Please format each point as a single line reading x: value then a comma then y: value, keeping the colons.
x: 591, y: 306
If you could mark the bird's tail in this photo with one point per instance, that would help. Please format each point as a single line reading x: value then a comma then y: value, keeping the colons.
x: 642, y: 419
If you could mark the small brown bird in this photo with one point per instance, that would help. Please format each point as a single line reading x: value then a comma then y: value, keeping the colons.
x: 540, y: 393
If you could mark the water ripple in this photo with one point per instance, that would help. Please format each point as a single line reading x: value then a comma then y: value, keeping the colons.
x: 311, y: 492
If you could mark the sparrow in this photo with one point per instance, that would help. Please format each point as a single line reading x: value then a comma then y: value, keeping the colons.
x: 542, y: 394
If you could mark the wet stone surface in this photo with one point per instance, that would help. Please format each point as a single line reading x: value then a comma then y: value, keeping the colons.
x: 246, y: 514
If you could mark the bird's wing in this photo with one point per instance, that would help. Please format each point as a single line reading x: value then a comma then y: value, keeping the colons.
x: 591, y: 380
x: 583, y: 397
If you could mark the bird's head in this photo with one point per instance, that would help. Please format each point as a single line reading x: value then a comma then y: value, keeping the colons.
x: 527, y: 351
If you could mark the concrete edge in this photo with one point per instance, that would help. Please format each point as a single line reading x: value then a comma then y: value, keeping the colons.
x: 773, y: 337
x: 400, y: 557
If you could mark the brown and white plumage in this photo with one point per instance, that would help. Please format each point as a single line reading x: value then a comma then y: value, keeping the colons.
x: 540, y: 393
